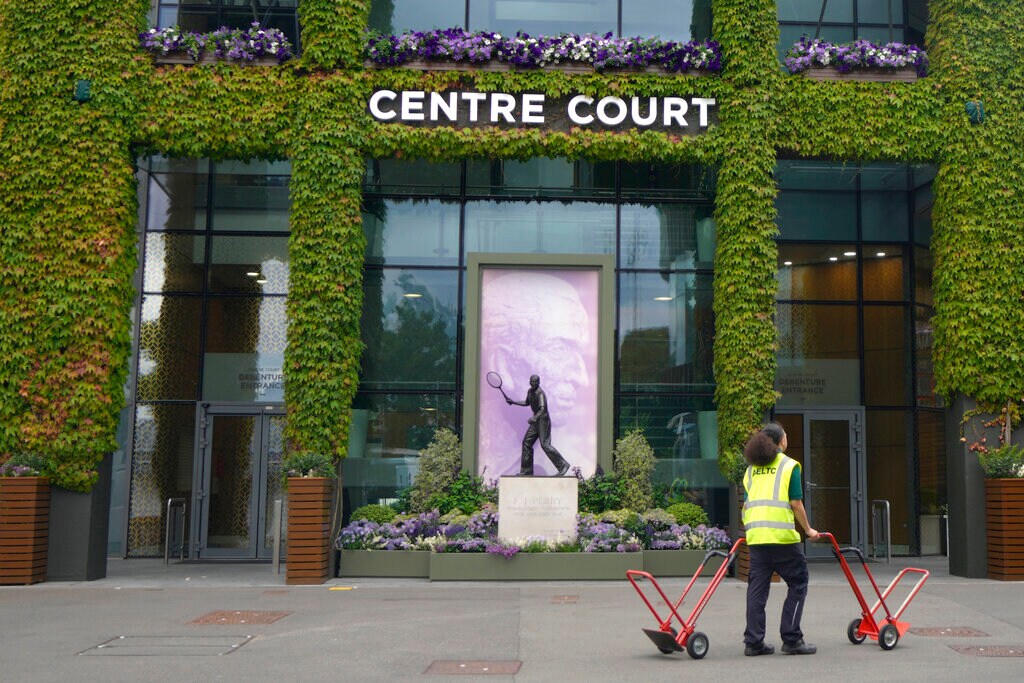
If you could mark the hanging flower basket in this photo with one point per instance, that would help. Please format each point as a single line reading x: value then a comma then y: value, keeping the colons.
x: 828, y: 73
x: 251, y: 46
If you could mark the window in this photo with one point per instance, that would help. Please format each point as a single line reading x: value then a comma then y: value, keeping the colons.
x: 204, y: 16
x: 842, y: 21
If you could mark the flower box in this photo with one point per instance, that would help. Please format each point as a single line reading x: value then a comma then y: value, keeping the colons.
x: 309, y: 528
x: 413, y: 564
x: 494, y: 65
x: 532, y: 566
x: 208, y: 58
x: 660, y: 563
x: 24, y: 529
x: 828, y: 73
x: 1004, y: 527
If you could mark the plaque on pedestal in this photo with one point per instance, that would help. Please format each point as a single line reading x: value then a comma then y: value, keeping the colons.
x: 537, y: 507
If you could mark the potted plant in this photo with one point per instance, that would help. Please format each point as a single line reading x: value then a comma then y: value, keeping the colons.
x: 310, y: 479
x: 1004, y: 510
x: 253, y: 45
x: 24, y: 519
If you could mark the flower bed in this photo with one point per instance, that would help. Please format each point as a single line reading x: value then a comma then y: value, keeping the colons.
x: 857, y: 57
x: 253, y: 45
x: 455, y: 47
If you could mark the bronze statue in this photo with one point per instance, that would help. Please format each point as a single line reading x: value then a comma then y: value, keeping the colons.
x: 540, y: 428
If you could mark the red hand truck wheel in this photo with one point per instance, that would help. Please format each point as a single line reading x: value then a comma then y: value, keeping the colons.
x: 851, y: 632
x: 888, y: 637
x: 697, y: 645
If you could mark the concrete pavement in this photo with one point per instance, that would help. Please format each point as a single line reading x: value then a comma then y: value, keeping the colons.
x: 144, y: 614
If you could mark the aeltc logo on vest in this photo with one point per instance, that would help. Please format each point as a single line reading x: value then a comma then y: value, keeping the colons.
x: 465, y: 108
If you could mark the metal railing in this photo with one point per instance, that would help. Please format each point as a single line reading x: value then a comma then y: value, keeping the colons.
x: 174, y: 504
x: 881, y: 528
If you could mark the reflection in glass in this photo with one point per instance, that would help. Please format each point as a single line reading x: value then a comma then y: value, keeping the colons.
x: 886, y: 356
x: 406, y: 232
x: 885, y: 275
x: 411, y: 176
x: 679, y: 20
x: 169, y: 348
x: 676, y: 181
x: 177, y: 201
x: 810, y: 11
x: 249, y: 265
x: 245, y: 343
x: 923, y: 276
x: 827, y: 477
x: 174, y: 262
x: 889, y: 462
x: 821, y: 272
x: 540, y: 227
x: 666, y: 328
x: 667, y: 236
x: 409, y: 326
x: 249, y: 201
x: 544, y: 17
x: 161, y: 469
x: 539, y: 177
x: 931, y: 453
x: 817, y: 215
x: 386, y: 435
x: 400, y: 16
x: 234, y: 447
x: 924, y: 341
x: 817, y: 362
x: 884, y: 215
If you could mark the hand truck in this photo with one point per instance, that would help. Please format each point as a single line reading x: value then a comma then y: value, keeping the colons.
x: 666, y: 638
x: 886, y: 631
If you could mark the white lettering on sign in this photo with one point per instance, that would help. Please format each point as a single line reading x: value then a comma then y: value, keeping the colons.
x: 414, y: 106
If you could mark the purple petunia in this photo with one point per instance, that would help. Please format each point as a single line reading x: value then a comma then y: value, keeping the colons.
x: 525, y: 51
x: 845, y: 57
x: 244, y: 45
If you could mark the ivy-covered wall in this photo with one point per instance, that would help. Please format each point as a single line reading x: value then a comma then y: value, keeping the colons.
x: 68, y: 198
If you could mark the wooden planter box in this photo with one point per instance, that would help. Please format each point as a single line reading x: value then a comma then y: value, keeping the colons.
x: 828, y: 73
x: 568, y: 68
x: 24, y: 529
x: 209, y: 58
x: 1004, y: 527
x: 660, y: 563
x: 411, y: 564
x: 309, y: 529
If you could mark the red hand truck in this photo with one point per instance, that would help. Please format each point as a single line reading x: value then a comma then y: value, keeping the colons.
x: 666, y: 638
x: 888, y: 631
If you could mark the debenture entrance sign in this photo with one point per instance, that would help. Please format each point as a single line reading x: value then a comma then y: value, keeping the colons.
x: 688, y: 115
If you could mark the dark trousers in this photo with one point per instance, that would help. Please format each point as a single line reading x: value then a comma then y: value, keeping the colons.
x: 789, y: 561
x: 541, y: 429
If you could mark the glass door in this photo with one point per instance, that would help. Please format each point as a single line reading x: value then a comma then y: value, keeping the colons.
x: 237, y: 480
x: 829, y: 444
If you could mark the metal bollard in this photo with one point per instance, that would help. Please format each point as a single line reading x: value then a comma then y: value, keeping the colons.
x: 276, y: 564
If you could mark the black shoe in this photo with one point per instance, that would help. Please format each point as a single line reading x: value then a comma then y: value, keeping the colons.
x: 563, y: 469
x: 761, y: 648
x: 799, y: 648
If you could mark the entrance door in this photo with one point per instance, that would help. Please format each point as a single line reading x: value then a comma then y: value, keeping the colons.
x: 829, y: 444
x: 237, y: 479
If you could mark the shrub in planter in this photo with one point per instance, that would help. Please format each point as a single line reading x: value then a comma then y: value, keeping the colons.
x: 307, y: 464
x: 1005, y: 462
x: 600, y: 493
x: 690, y: 514
x: 382, y: 514
x: 634, y: 462
x: 467, y: 494
x: 439, y: 466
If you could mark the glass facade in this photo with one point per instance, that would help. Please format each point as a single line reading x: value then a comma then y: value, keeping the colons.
x: 854, y: 311
x: 878, y: 21
x: 212, y: 324
x: 679, y: 20
x: 422, y: 219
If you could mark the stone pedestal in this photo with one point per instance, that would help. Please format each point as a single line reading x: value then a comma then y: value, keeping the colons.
x: 537, y: 507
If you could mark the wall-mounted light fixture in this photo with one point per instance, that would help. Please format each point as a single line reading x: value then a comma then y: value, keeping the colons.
x: 83, y: 90
x: 975, y: 111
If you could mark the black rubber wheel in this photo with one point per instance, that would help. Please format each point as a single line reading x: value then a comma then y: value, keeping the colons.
x: 888, y: 637
x: 851, y: 632
x: 697, y: 645
x: 668, y: 652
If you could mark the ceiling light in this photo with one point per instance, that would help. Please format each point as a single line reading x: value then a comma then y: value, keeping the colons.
x: 261, y: 281
x: 881, y: 253
x: 253, y: 273
x: 787, y: 263
x: 663, y: 298
x: 833, y: 258
x: 412, y: 295
x: 849, y: 253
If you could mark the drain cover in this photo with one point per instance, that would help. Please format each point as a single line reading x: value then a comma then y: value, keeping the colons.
x: 949, y: 632
x: 990, y: 650
x: 457, y: 667
x: 564, y: 599
x: 240, y: 617
x: 173, y: 646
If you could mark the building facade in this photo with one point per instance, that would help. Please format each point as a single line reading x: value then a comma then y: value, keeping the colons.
x: 814, y: 253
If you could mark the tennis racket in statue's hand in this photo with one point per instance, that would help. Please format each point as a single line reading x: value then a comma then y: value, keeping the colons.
x: 494, y: 379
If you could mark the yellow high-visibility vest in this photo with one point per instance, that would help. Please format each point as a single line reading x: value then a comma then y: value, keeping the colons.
x: 767, y: 514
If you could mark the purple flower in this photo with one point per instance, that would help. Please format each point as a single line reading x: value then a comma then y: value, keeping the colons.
x: 860, y: 54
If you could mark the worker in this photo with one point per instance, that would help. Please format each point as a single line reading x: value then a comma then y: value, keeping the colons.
x: 774, y: 503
